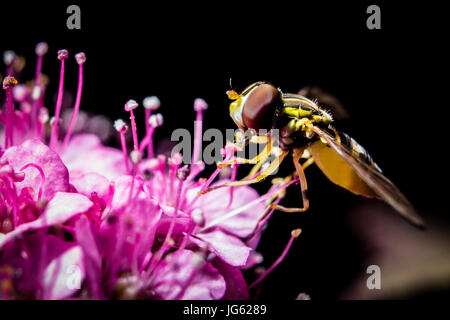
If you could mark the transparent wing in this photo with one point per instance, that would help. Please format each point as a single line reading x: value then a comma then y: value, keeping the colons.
x: 381, y: 185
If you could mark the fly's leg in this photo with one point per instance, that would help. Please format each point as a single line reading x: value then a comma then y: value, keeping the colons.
x: 262, y: 155
x: 307, y: 163
x: 303, y: 185
x: 261, y: 176
x: 242, y: 139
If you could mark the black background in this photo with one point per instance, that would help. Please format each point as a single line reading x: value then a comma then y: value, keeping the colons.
x: 388, y: 79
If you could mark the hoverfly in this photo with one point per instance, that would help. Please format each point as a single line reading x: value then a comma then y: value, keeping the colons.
x: 306, y: 130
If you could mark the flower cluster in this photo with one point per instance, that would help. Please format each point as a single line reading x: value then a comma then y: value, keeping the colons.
x: 79, y: 219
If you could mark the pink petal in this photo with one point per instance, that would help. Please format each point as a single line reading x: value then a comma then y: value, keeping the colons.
x: 29, y: 255
x: 236, y: 286
x: 64, y: 275
x: 229, y: 248
x: 144, y: 215
x: 127, y: 234
x: 87, y: 237
x: 215, y: 204
x: 181, y: 225
x: 187, y: 270
x: 61, y: 208
x: 85, y: 153
x: 34, y: 151
x: 253, y: 260
x: 87, y: 183
x: 122, y: 188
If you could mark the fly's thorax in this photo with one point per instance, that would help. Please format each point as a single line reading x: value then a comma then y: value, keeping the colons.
x: 294, y: 123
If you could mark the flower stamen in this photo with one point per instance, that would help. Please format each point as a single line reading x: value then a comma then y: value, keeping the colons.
x: 150, y: 104
x: 62, y: 56
x: 199, y: 106
x: 130, y: 106
x: 81, y: 59
x: 40, y: 50
x: 154, y: 121
x: 8, y: 59
x: 8, y: 83
x: 181, y: 174
x: 122, y: 128
x: 294, y: 235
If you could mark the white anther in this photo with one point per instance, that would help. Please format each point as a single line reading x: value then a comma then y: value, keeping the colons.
x: 120, y: 125
x: 63, y: 54
x: 8, y: 57
x: 131, y: 105
x: 41, y: 48
x: 80, y: 57
x: 20, y: 92
x: 151, y: 103
x: 37, y: 92
x: 200, y: 104
x: 43, y: 115
x: 156, y: 120
x: 135, y: 156
x: 176, y: 159
x: 198, y: 217
x: 197, y: 259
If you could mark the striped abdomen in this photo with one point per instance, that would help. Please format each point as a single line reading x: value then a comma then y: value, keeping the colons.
x: 357, y: 149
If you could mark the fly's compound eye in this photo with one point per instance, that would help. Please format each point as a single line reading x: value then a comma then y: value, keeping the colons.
x: 260, y: 107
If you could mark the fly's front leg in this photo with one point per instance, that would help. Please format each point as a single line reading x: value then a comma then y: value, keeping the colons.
x: 244, y: 138
x: 261, y: 176
x: 259, y: 157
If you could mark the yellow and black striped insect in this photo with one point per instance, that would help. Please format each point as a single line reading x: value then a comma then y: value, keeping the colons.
x: 307, y: 131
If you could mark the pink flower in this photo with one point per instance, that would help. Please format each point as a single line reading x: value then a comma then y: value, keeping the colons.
x: 39, y: 261
x: 86, y: 154
x: 82, y: 220
x: 31, y: 175
x: 44, y: 171
x: 37, y: 266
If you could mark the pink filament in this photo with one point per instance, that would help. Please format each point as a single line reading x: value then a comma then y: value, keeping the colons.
x: 205, y: 186
x: 162, y: 171
x: 189, y: 281
x: 54, y: 133
x: 37, y: 77
x: 233, y: 178
x: 76, y: 107
x: 148, y: 113
x: 9, y: 132
x: 263, y: 221
x: 211, y: 179
x: 198, y: 136
x: 165, y: 244
x: 124, y: 150
x: 274, y: 265
x: 148, y: 142
x: 9, y: 70
x: 36, y: 105
x: 145, y: 262
x: 10, y: 191
x: 238, y: 210
x: 134, y: 131
x: 41, y: 172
